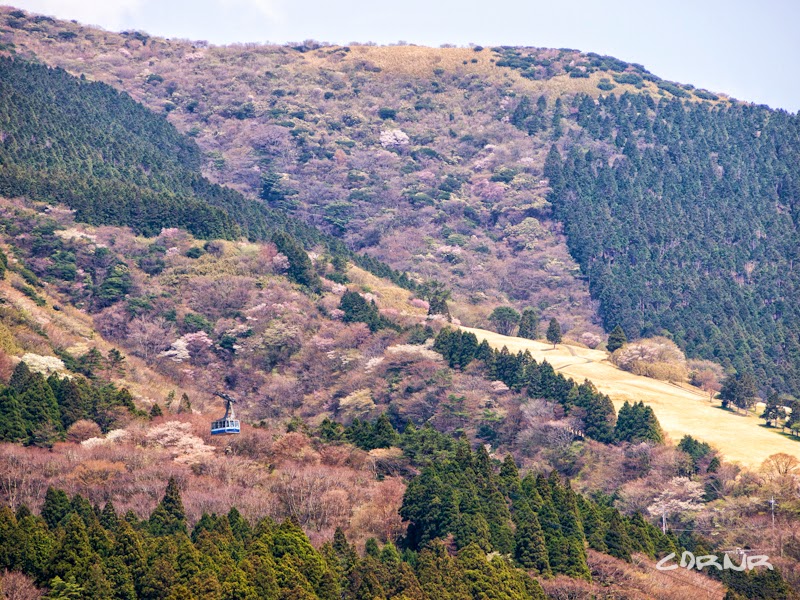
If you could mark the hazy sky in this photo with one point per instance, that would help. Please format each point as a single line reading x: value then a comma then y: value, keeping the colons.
x: 747, y: 48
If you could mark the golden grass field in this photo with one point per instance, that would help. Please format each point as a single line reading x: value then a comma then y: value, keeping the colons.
x: 420, y: 61
x: 388, y: 294
x: 682, y: 410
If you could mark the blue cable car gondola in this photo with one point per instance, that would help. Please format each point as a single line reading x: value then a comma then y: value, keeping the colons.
x: 229, y: 423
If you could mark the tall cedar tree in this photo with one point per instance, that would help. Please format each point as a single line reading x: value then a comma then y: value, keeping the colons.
x: 169, y: 516
x: 529, y: 324
x: 638, y: 423
x: 301, y: 270
x: 616, y: 339
x: 554, y: 332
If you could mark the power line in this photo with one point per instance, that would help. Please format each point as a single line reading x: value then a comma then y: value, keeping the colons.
x: 718, y: 529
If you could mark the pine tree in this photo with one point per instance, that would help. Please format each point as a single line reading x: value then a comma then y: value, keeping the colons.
x: 97, y: 584
x: 128, y: 548
x: 159, y: 576
x: 301, y: 270
x: 554, y: 332
x: 70, y: 397
x: 597, y: 413
x: 239, y: 526
x: 575, y: 564
x: 36, y: 399
x: 509, y: 479
x: 638, y: 423
x: 484, y: 353
x: 9, y: 539
x: 467, y: 350
x: 36, y: 546
x: 169, y: 516
x: 259, y: 566
x: 617, y: 540
x: 119, y: 578
x: 530, y: 548
x: 639, y: 534
x: 365, y: 580
x: 74, y: 555
x: 83, y: 508
x: 383, y: 433
x: 529, y: 324
x: 616, y: 339
x: 439, y: 575
x: 472, y: 529
x: 99, y: 539
x: 371, y: 548
x: 12, y: 425
x: 21, y: 377
x: 108, y: 517
x: 551, y: 527
x: 56, y: 507
x: 357, y: 310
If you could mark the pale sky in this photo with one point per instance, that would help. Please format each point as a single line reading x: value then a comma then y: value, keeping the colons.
x: 746, y: 48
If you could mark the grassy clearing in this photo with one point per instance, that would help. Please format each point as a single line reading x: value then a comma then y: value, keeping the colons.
x: 421, y: 61
x: 681, y: 409
x: 388, y: 295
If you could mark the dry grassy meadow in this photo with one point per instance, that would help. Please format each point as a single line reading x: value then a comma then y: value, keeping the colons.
x: 681, y: 410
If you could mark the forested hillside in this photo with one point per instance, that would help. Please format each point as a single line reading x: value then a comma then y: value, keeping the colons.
x: 114, y: 162
x: 537, y: 531
x: 227, y: 234
x: 684, y: 219
x: 405, y: 154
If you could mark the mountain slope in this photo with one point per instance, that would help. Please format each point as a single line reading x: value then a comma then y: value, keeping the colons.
x: 685, y: 219
x: 416, y: 167
x: 681, y: 410
x: 113, y: 161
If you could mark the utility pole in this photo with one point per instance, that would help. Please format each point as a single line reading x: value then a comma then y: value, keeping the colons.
x: 772, y: 505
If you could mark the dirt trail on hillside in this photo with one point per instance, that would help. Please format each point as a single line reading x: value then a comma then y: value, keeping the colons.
x: 681, y: 410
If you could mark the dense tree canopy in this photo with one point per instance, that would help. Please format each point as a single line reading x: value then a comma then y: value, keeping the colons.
x: 684, y: 219
x: 113, y: 161
x: 38, y: 410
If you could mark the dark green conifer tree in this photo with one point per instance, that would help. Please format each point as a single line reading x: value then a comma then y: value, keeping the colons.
x: 617, y: 540
x: 616, y: 339
x: 301, y: 270
x: 12, y: 424
x: 38, y: 403
x: 530, y: 548
x: 554, y: 332
x: 484, y: 353
x: 439, y: 574
x: 383, y: 433
x: 56, y: 506
x: 529, y: 324
x: 169, y: 516
x: 9, y: 539
x: 128, y: 548
x: 74, y: 555
x: 119, y: 578
x: 597, y: 413
x: 36, y: 546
